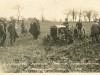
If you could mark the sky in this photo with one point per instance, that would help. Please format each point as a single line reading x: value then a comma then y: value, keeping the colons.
x: 52, y: 9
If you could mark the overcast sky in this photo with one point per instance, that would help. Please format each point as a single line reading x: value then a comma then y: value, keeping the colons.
x: 52, y: 9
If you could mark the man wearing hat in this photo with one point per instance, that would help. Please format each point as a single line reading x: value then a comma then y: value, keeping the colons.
x: 66, y: 23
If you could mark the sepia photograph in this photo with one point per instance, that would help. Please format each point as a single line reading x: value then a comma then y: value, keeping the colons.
x: 49, y: 36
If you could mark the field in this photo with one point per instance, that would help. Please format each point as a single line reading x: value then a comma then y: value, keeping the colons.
x: 29, y: 55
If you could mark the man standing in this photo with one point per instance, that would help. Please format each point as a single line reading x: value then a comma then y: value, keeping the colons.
x: 66, y: 23
x: 12, y: 31
x: 95, y: 30
x: 34, y: 29
x: 79, y: 26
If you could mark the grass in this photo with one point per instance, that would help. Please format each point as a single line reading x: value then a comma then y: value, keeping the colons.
x: 27, y: 50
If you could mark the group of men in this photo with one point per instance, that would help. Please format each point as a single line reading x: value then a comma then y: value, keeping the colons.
x: 78, y: 25
x: 72, y: 33
x: 11, y: 27
x: 35, y: 30
x: 94, y: 34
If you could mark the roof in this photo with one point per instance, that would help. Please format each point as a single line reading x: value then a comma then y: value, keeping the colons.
x: 59, y: 26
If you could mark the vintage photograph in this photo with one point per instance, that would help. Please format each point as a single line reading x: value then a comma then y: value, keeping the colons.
x: 49, y: 36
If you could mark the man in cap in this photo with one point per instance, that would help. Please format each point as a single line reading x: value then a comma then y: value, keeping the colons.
x: 66, y: 23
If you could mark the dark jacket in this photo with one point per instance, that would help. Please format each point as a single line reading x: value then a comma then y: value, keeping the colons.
x: 79, y: 25
x: 34, y: 29
x: 12, y: 30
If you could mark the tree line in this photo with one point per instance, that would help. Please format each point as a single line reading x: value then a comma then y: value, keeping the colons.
x: 84, y: 15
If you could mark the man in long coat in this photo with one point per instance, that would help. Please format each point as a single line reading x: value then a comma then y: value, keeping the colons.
x: 34, y: 29
x: 12, y: 31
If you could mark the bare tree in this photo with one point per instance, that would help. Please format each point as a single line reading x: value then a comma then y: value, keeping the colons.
x: 42, y: 16
x: 84, y: 14
x: 73, y: 14
x: 95, y: 15
x: 18, y: 8
x: 67, y: 13
x: 89, y: 14
x: 81, y: 13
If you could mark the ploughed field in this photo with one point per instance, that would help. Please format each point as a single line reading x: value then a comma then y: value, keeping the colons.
x: 29, y: 55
